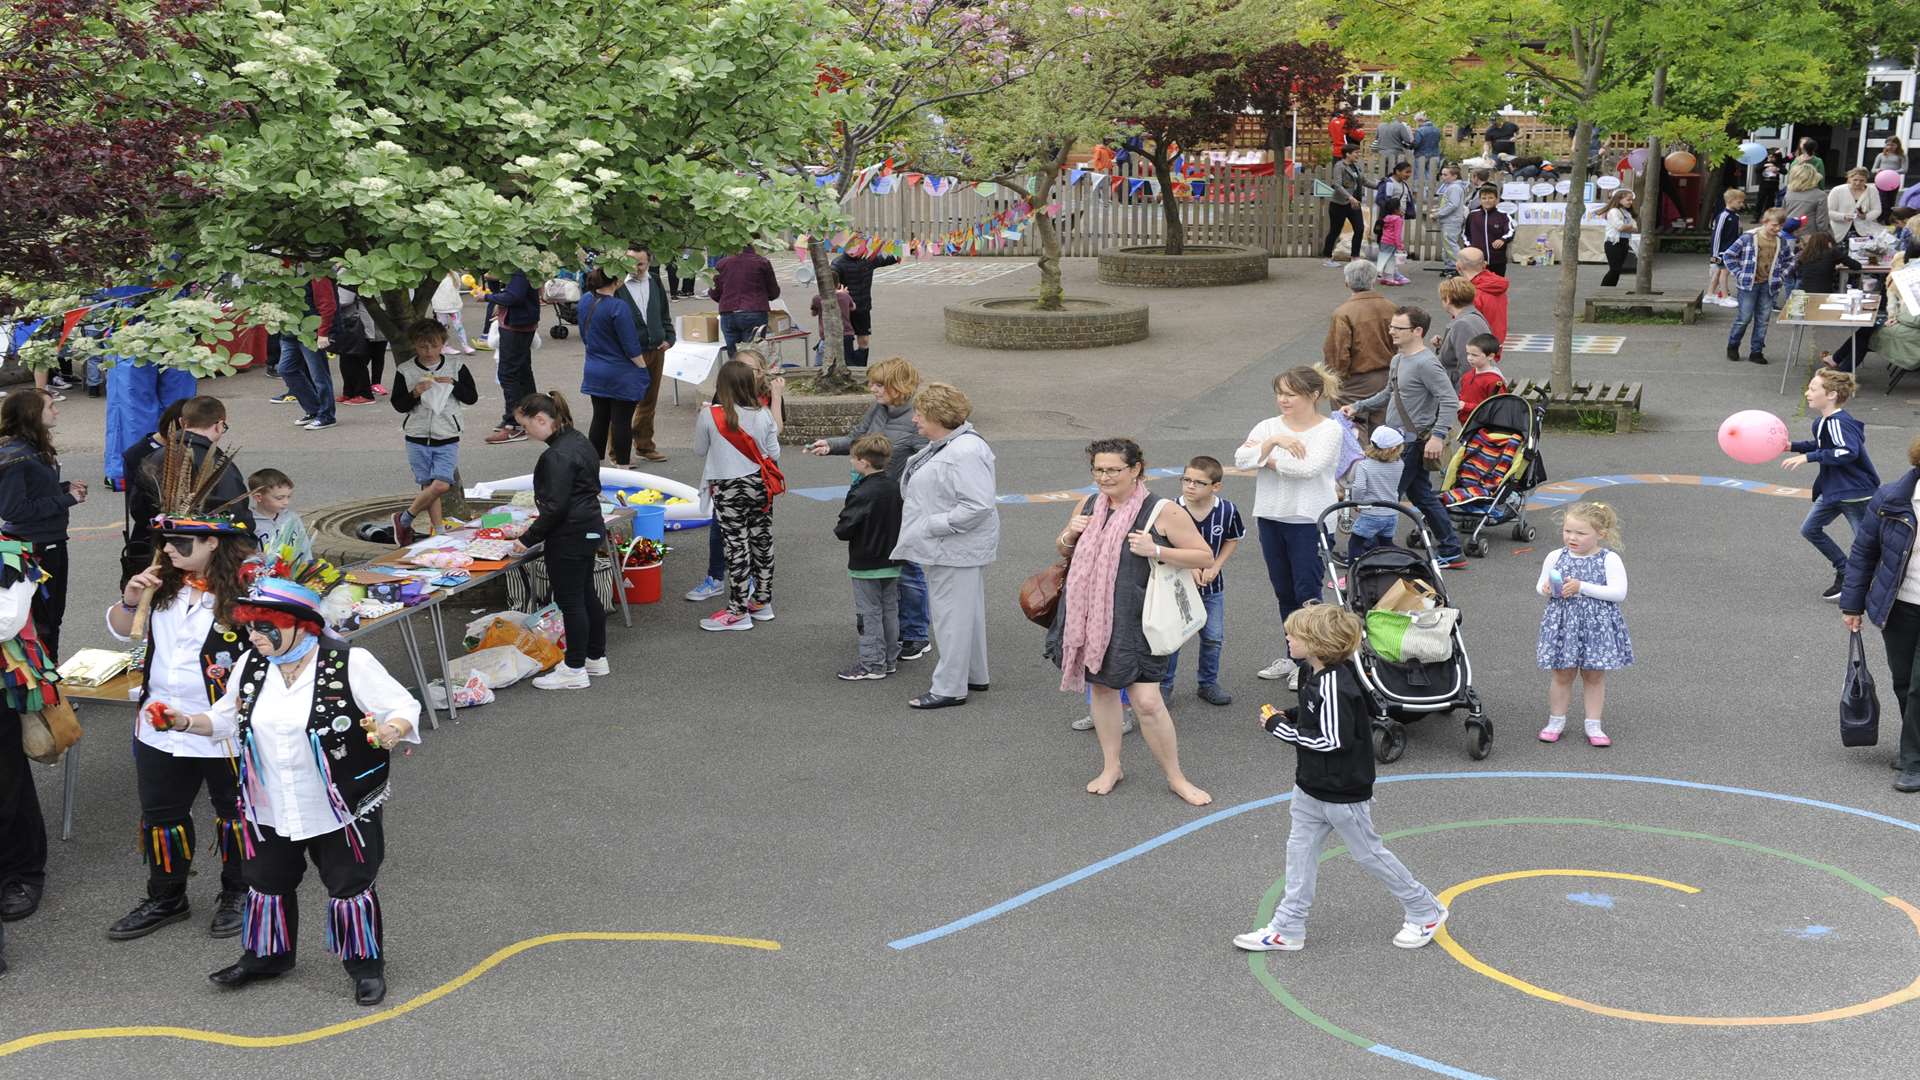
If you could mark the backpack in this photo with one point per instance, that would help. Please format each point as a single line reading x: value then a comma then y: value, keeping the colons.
x: 349, y: 333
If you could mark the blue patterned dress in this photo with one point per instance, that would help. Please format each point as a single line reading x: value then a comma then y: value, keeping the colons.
x: 1582, y: 631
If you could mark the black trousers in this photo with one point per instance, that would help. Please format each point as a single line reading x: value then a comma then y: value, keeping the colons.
x: 168, y: 786
x: 50, y: 610
x: 513, y: 363
x: 377, y: 360
x: 356, y: 377
x: 1901, y: 636
x: 23, y: 832
x: 271, y: 926
x: 569, y: 561
x: 1617, y: 251
x: 1339, y: 214
x: 611, y: 416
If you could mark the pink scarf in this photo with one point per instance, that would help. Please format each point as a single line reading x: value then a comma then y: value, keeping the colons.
x: 1089, y: 591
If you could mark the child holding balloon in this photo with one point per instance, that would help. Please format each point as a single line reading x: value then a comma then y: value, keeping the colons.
x: 1583, y: 631
x: 1847, y: 478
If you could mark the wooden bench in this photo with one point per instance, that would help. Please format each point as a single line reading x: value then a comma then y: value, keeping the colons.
x: 1687, y: 306
x: 1621, y: 401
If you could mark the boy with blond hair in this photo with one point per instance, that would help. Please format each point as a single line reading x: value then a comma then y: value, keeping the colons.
x: 1847, y: 478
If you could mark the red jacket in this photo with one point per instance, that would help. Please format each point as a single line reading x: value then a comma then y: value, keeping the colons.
x: 1490, y: 297
x: 1478, y: 386
x: 321, y: 301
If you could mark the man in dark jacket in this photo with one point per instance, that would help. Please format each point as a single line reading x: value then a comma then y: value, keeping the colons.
x: 870, y: 524
x: 744, y: 286
x: 519, y: 306
x: 857, y: 275
x: 1879, y: 569
x: 203, y: 423
x: 643, y: 295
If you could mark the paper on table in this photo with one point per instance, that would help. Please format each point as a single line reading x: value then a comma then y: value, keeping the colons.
x: 1833, y: 307
x: 435, y: 543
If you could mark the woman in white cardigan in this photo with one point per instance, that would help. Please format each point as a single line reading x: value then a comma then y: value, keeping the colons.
x: 1296, y: 455
x: 1853, y: 208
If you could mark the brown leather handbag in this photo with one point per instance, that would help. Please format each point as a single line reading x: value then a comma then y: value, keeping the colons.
x: 1040, y: 593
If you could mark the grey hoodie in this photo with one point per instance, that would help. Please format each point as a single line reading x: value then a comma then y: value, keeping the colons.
x: 893, y: 421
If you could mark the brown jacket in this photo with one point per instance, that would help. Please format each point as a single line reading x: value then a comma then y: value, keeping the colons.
x: 1357, y: 340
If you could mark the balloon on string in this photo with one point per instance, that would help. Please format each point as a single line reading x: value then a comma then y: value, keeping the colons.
x: 1753, y: 436
x: 1637, y: 159
x: 1680, y: 162
x: 1887, y: 180
x: 1751, y: 153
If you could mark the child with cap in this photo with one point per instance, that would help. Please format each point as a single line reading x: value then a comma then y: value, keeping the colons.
x: 1375, y: 478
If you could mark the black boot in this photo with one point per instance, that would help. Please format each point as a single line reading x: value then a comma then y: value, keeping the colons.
x: 1757, y: 357
x: 370, y: 990
x: 151, y: 915
x: 235, y: 976
x: 226, y: 914
x: 1733, y: 353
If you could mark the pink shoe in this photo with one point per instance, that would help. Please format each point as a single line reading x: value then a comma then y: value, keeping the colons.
x: 1598, y: 738
x: 1547, y: 734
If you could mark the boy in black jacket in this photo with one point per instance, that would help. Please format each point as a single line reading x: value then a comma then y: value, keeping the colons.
x: 1333, y: 783
x: 870, y: 524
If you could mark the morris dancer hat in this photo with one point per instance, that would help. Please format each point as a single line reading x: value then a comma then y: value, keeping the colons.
x: 202, y: 525
x: 286, y: 597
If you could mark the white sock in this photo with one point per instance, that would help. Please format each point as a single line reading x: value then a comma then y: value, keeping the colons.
x: 1556, y: 723
x: 1593, y: 726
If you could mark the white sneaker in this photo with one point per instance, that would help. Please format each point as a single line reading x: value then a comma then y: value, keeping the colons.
x: 1085, y: 723
x: 1414, y: 935
x: 597, y: 667
x: 706, y: 590
x: 1293, y: 679
x: 1280, y: 668
x: 1264, y: 940
x: 563, y: 677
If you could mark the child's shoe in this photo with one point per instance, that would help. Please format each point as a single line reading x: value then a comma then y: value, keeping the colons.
x: 1555, y: 725
x: 1596, y: 736
x: 706, y: 590
x: 1279, y: 669
x: 760, y: 612
x: 1264, y: 940
x: 1415, y: 935
x: 726, y: 620
x: 860, y: 671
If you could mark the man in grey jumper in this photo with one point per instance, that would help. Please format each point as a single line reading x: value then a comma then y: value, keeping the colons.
x: 1421, y: 404
x: 1396, y: 143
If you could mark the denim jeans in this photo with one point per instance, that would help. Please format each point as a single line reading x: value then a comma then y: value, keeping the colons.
x: 1369, y: 533
x: 1417, y: 487
x: 308, y: 377
x: 738, y: 326
x: 913, y: 602
x: 1756, y: 307
x: 1212, y: 636
x: 1822, y: 515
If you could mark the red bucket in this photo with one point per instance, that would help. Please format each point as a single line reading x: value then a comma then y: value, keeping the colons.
x: 642, y: 583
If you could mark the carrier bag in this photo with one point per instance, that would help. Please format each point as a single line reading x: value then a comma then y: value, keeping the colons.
x: 1421, y: 636
x: 1859, y: 704
x: 1172, y: 611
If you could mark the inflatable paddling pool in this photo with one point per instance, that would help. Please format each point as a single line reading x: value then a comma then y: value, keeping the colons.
x: 624, y: 486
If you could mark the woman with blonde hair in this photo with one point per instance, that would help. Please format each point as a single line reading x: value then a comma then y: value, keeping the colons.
x: 1804, y: 199
x: 1854, y: 207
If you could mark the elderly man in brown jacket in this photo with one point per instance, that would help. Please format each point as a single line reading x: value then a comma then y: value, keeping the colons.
x: 1358, y: 349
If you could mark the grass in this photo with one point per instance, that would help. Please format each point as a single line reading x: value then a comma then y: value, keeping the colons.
x: 1638, y: 318
x: 1587, y: 422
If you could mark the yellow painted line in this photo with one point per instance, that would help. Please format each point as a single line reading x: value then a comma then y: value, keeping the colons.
x: 223, y: 1038
x: 1910, y: 992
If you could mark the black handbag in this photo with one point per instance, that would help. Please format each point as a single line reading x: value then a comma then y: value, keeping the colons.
x: 1859, y: 704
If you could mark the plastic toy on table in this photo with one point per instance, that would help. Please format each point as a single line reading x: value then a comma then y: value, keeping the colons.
x: 490, y: 550
x: 442, y: 559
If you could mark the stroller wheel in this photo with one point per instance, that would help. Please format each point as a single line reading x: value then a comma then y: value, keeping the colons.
x: 1524, y: 533
x: 558, y: 332
x: 1389, y: 741
x: 1479, y: 739
x: 1478, y: 548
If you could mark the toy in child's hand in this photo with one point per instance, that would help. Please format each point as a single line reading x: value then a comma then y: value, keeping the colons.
x: 1556, y: 579
x: 157, y: 716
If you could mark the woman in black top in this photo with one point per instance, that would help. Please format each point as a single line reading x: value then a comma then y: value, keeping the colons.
x: 566, y: 489
x: 34, y: 501
x: 1820, y: 263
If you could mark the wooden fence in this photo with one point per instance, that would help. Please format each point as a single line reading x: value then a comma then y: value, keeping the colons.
x: 1276, y: 213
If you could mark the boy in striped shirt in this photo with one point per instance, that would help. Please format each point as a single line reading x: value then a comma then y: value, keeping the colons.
x: 1219, y: 523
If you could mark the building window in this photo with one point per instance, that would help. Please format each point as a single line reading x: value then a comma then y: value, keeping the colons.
x: 1373, y: 93
x: 1524, y: 99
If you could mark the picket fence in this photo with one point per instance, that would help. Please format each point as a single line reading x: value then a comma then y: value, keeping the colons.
x: 1279, y: 214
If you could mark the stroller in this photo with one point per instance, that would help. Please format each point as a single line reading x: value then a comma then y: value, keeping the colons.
x: 562, y: 291
x: 1497, y: 466
x: 1404, y: 691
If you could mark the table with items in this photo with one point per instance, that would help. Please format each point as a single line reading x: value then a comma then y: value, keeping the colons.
x: 1851, y: 311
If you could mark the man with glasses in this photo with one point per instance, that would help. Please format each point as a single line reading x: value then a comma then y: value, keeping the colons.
x: 203, y: 422
x: 1421, y: 404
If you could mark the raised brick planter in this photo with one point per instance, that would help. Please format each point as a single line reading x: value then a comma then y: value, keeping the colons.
x: 824, y: 417
x: 1012, y: 322
x: 1201, y: 265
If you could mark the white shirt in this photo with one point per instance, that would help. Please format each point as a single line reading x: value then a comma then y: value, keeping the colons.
x: 296, y: 804
x: 1615, y: 590
x: 639, y: 291
x: 175, y: 635
x: 16, y: 607
x: 1618, y: 221
x: 1288, y: 488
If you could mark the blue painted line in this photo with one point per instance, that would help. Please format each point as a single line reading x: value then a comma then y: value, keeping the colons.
x: 1165, y: 838
x: 1428, y: 1064
x: 1592, y: 899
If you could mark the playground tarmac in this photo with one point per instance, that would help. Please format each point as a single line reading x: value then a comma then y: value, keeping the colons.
x: 1725, y: 892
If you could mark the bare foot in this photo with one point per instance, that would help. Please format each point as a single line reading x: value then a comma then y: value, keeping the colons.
x: 1188, y: 792
x: 1105, y: 782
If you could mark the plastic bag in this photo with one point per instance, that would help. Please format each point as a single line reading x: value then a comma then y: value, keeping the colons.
x: 473, y: 692
x: 500, y: 666
x: 505, y: 631
x: 478, y: 627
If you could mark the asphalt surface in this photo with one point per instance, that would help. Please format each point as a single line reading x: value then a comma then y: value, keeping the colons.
x: 729, y: 785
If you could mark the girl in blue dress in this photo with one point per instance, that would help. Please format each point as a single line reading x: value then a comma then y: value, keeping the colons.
x: 1583, y: 630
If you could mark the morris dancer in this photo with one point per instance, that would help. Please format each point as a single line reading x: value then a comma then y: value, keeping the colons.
x: 313, y: 720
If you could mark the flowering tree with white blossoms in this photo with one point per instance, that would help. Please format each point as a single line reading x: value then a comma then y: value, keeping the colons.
x: 386, y: 141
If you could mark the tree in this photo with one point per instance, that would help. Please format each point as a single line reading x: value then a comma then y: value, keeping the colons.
x: 85, y: 166
x: 395, y: 139
x: 1307, y: 77
x: 1192, y: 95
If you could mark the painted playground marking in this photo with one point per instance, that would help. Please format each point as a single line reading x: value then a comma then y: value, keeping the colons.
x: 1583, y: 344
x: 500, y: 956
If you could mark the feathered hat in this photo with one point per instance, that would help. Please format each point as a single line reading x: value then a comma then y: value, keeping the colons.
x: 290, y: 583
x: 184, y: 490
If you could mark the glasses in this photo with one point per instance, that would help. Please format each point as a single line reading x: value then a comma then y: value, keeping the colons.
x: 1121, y: 471
x: 181, y: 545
x: 1399, y: 326
x: 1185, y: 480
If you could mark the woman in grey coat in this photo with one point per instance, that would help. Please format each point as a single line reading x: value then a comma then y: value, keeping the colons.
x: 950, y: 525
x: 1805, y: 199
x: 894, y: 382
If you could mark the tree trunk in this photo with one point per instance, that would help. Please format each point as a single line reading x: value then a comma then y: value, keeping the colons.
x: 1593, y: 55
x: 1051, y: 292
x: 1650, y: 192
x: 1169, y: 206
x: 833, y: 373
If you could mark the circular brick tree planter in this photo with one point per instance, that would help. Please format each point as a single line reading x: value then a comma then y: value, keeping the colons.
x: 811, y: 416
x: 336, y: 537
x: 1200, y: 266
x: 1013, y: 322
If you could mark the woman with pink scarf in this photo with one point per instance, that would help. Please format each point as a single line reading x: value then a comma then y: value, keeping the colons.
x: 1096, y: 637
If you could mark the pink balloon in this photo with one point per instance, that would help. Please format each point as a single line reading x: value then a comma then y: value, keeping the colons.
x: 1753, y: 436
x: 1637, y: 159
x: 1887, y: 180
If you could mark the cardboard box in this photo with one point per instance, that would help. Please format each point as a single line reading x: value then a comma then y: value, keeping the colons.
x: 778, y: 322
x: 700, y: 326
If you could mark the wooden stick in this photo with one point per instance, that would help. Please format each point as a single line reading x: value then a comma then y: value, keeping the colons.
x: 143, y: 614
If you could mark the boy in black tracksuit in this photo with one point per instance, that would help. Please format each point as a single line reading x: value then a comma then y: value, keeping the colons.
x: 870, y: 524
x: 1489, y: 229
x: 1333, y: 783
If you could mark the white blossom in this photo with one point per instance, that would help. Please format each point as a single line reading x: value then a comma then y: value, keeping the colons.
x: 527, y: 161
x: 589, y: 146
x: 739, y: 192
